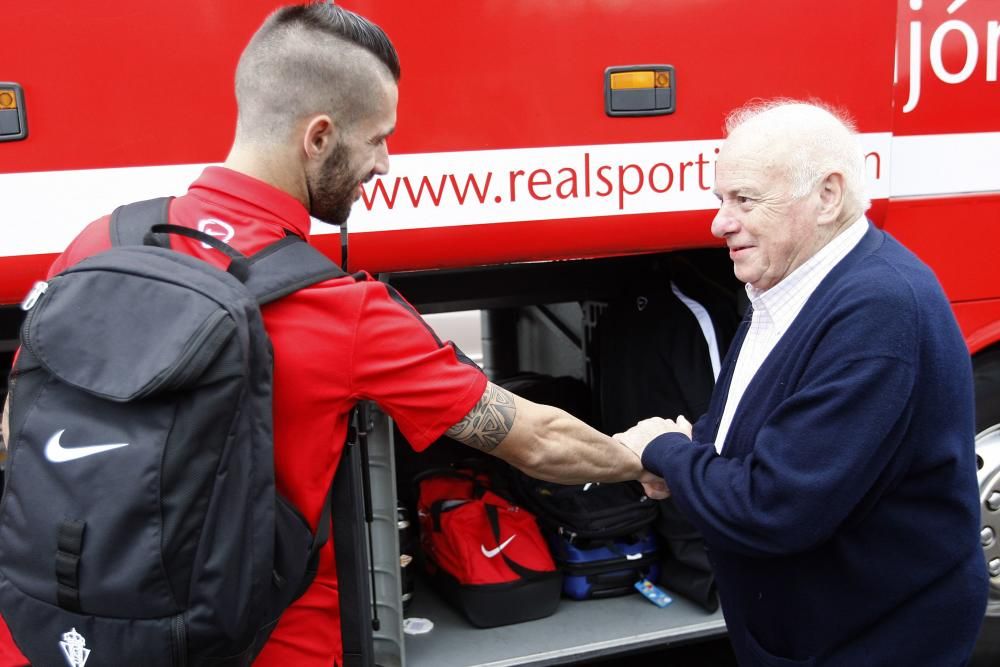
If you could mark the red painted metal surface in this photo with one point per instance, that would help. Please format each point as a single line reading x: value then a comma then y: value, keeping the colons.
x: 120, y: 84
x: 116, y: 84
x: 530, y: 72
x: 112, y: 84
x: 980, y: 322
x: 952, y: 39
x: 956, y: 237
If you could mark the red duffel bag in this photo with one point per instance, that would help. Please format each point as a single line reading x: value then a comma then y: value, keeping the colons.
x: 483, y: 553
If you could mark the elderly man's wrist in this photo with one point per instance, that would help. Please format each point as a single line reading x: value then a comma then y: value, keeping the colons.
x: 658, y: 446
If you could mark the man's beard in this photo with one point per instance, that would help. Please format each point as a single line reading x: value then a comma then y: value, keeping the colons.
x: 331, y: 194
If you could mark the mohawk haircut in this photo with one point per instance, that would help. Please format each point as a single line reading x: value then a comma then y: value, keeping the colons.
x: 339, y: 22
x: 306, y: 59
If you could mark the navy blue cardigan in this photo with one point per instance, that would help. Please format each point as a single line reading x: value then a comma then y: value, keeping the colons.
x: 842, y: 517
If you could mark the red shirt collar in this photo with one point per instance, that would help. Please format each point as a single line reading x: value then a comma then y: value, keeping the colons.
x: 245, y: 193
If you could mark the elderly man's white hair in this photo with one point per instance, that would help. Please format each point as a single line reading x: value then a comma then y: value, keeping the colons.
x: 817, y: 141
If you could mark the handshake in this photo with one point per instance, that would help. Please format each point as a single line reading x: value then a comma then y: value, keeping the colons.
x: 640, y: 435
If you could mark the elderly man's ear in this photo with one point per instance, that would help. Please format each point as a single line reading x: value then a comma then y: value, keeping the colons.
x: 831, y: 198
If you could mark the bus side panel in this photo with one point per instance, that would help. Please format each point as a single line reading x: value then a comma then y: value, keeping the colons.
x: 527, y: 73
x: 945, y: 184
x: 956, y: 237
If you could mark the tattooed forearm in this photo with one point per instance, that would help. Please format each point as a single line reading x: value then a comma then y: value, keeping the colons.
x: 489, y: 422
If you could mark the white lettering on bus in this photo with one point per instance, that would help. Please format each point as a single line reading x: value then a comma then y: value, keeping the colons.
x: 935, y: 51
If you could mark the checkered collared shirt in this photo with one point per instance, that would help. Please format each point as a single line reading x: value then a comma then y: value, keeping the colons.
x: 775, y: 309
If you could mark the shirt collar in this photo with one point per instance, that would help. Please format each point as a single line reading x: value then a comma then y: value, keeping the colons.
x: 251, y: 193
x: 784, y: 301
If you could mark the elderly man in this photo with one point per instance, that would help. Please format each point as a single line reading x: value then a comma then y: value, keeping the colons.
x: 834, y: 475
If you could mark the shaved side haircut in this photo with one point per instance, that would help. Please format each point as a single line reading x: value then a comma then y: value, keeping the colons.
x: 309, y: 59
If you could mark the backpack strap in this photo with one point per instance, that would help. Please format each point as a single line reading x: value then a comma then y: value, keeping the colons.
x: 281, y: 268
x: 130, y: 223
x: 287, y: 266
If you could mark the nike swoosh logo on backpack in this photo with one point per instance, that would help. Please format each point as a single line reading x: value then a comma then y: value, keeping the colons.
x: 55, y: 452
x: 492, y: 553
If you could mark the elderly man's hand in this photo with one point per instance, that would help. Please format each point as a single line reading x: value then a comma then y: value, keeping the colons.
x: 640, y: 435
x: 654, y: 486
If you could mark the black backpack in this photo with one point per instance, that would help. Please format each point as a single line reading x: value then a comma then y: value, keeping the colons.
x: 139, y: 523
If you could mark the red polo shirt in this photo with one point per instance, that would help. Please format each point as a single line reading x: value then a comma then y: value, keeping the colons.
x: 335, y: 343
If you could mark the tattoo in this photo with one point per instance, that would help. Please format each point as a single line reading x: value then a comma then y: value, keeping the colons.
x: 489, y: 422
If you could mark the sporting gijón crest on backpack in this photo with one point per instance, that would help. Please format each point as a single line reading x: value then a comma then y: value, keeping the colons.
x: 139, y: 523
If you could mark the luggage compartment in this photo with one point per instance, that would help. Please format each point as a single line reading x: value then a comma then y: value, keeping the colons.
x: 535, y: 318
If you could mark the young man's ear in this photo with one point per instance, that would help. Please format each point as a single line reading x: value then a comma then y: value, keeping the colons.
x: 320, y: 136
x: 831, y: 197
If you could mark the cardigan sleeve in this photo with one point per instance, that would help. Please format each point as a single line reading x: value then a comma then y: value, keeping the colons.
x: 817, y: 455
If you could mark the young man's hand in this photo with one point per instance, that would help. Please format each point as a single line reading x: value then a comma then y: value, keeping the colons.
x: 654, y: 486
x: 640, y: 435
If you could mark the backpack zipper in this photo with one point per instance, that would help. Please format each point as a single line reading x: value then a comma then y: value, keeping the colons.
x: 184, y: 370
x: 179, y: 637
x: 36, y: 293
x: 37, y: 290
